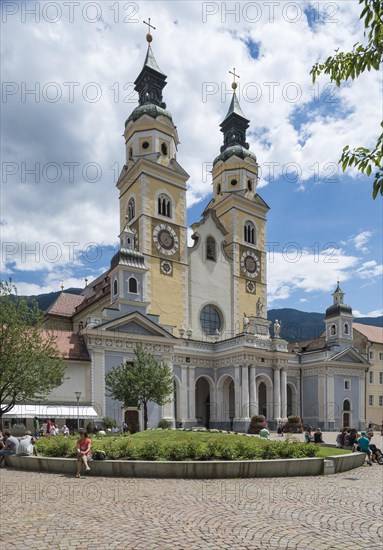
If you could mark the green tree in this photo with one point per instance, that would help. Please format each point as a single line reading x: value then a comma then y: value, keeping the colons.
x: 144, y: 380
x: 30, y: 364
x: 343, y: 66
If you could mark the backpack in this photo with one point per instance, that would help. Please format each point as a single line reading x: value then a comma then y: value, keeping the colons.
x: 99, y: 455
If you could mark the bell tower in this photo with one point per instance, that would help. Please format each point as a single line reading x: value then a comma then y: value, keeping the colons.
x: 338, y: 321
x: 242, y: 212
x: 152, y: 189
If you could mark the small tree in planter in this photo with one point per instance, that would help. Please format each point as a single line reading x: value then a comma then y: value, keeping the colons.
x: 257, y: 423
x: 293, y: 425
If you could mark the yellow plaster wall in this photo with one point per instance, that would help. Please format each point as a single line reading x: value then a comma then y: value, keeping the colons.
x: 168, y: 294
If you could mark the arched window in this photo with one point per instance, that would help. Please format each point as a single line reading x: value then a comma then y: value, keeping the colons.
x: 333, y: 330
x: 249, y: 233
x: 164, y: 206
x: 115, y: 287
x: 132, y: 285
x: 130, y: 153
x: 346, y: 405
x: 131, y: 209
x: 211, y: 249
x: 346, y: 330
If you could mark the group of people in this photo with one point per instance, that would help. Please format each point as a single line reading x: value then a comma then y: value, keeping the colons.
x: 10, y: 445
x: 51, y: 428
x: 350, y: 437
x: 25, y: 446
x: 316, y: 438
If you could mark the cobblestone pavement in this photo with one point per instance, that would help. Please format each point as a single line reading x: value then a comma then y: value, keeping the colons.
x: 53, y: 511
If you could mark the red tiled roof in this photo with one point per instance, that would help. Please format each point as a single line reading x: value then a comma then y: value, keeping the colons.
x: 99, y: 288
x: 70, y: 345
x: 65, y: 304
x: 374, y: 334
x: 308, y: 345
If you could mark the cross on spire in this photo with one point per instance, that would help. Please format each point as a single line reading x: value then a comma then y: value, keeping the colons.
x: 234, y: 84
x: 149, y: 37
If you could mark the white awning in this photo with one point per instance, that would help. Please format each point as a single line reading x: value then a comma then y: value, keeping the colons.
x: 51, y: 411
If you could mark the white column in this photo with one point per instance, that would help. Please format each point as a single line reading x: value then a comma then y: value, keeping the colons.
x: 283, y: 393
x: 362, y: 402
x: 168, y: 408
x: 330, y: 401
x: 245, y: 393
x: 298, y: 398
x: 214, y: 400
x: 184, y: 395
x: 98, y: 381
x: 253, y: 393
x: 277, y: 393
x: 192, y: 394
x: 237, y: 392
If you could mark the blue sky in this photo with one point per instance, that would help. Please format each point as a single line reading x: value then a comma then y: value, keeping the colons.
x: 323, y: 224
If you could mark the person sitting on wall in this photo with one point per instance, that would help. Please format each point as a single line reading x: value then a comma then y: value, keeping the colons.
x: 27, y: 445
x: 318, y: 436
x: 11, y: 446
x: 83, y: 452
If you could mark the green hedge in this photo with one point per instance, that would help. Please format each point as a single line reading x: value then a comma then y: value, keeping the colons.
x: 237, y: 448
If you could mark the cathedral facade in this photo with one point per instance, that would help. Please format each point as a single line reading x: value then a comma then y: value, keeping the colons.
x: 201, y: 309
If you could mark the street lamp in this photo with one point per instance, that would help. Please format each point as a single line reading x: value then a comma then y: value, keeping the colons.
x: 78, y: 395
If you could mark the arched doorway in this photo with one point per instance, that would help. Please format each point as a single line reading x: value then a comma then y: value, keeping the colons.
x: 226, y: 401
x: 202, y: 402
x: 346, y: 414
x: 264, y: 393
x: 262, y: 399
x: 292, y: 401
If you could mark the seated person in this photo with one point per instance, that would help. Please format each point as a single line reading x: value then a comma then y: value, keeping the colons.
x: 308, y: 437
x: 363, y: 443
x: 10, y: 446
x: 83, y: 452
x: 27, y: 445
x: 264, y: 432
x: 318, y: 437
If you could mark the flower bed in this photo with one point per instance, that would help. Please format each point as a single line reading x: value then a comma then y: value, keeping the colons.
x: 178, y: 446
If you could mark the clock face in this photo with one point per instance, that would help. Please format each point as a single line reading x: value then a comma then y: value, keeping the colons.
x: 165, y: 239
x: 250, y: 264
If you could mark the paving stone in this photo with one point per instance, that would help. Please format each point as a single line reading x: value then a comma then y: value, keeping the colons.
x: 55, y: 511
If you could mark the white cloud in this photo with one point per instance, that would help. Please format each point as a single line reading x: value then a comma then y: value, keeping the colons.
x: 370, y: 270
x: 361, y: 239
x: 193, y: 54
x: 306, y: 272
x: 375, y: 313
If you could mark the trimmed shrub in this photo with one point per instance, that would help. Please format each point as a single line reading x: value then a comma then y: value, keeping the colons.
x: 293, y: 425
x: 58, y: 446
x: 257, y: 423
x: 165, y: 424
x: 175, y: 451
x: 150, y: 450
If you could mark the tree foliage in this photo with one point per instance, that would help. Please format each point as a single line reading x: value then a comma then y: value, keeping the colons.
x: 30, y: 364
x: 144, y: 380
x: 350, y: 65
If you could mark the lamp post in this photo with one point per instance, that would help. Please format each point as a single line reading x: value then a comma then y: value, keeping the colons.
x: 78, y: 395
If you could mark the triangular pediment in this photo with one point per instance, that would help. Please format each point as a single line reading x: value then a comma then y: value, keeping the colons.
x: 135, y: 323
x: 349, y: 355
